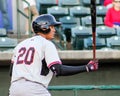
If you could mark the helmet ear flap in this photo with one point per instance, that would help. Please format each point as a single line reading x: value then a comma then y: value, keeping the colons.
x: 36, y: 27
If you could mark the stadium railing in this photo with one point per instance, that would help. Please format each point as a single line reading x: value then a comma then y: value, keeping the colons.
x: 76, y: 88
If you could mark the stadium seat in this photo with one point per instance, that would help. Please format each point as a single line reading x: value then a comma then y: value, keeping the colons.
x: 114, y: 42
x: 107, y: 49
x: 3, y: 32
x: 44, y: 4
x: 69, y: 3
x: 81, y: 31
x: 7, y: 43
x: 78, y: 35
x: 86, y: 21
x: 105, y: 32
x: 101, y: 11
x: 58, y: 11
x: 68, y: 22
x: 118, y: 31
x: 79, y: 11
x: 88, y: 2
x: 100, y: 43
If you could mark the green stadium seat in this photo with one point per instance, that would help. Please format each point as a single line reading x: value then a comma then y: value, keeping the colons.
x: 7, y: 43
x: 78, y: 35
x: 88, y: 2
x: 105, y: 32
x: 114, y: 42
x: 79, y: 11
x: 69, y: 3
x: 81, y: 31
x: 100, y: 43
x: 107, y: 49
x: 118, y: 31
x: 101, y: 11
x: 44, y: 4
x: 86, y: 21
x: 58, y: 11
x: 3, y: 32
x: 68, y: 22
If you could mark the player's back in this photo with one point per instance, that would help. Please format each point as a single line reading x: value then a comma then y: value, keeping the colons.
x: 30, y: 48
x: 28, y: 57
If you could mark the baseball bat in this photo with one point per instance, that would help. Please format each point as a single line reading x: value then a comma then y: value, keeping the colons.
x: 93, y: 21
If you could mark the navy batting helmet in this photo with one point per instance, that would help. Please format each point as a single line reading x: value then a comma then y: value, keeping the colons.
x: 43, y: 23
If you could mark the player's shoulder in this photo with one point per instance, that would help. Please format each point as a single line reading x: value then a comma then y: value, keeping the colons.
x: 39, y: 40
x: 49, y: 43
x: 24, y: 42
x: 46, y: 42
x: 36, y: 41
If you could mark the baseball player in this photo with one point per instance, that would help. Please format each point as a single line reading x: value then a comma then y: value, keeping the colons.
x: 36, y: 60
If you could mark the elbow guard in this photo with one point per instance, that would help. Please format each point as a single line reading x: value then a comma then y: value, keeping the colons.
x: 56, y: 69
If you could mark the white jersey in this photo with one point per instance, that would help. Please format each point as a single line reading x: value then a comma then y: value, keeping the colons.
x: 29, y: 60
x: 31, y: 2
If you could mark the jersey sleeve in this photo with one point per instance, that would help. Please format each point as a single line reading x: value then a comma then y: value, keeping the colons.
x: 51, y: 54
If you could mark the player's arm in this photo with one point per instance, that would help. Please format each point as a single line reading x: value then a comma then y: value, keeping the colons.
x: 64, y: 70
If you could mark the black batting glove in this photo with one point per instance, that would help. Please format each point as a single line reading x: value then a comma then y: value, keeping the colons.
x: 92, y: 65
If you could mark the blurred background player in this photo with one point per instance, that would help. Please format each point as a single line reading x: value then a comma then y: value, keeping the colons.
x: 112, y: 18
x: 36, y: 60
x: 33, y: 10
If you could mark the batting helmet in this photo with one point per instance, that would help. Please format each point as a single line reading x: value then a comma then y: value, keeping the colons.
x: 43, y: 23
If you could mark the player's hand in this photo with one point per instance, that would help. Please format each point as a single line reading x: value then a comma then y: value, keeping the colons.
x: 92, y: 65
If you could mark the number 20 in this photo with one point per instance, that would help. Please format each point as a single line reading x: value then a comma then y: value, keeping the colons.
x: 26, y: 56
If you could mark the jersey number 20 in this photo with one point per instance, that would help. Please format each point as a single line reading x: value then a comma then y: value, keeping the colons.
x: 26, y: 56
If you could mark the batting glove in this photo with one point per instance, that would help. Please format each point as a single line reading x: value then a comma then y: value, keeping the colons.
x: 92, y: 65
